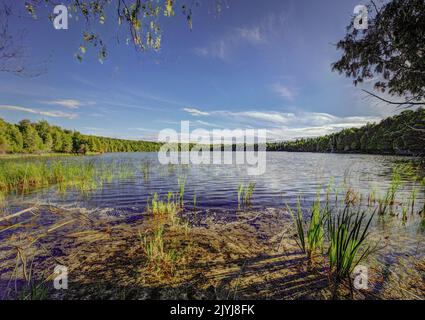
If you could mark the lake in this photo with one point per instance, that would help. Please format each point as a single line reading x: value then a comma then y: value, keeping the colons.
x: 288, y: 176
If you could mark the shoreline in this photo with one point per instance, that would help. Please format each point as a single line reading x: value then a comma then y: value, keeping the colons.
x: 41, y: 155
x: 253, y: 257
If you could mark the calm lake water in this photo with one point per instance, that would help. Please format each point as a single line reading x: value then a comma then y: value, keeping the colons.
x: 287, y: 176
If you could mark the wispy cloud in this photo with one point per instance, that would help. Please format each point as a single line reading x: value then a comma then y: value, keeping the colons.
x: 263, y: 31
x: 196, y: 112
x: 252, y: 35
x: 284, y: 91
x: 217, y: 49
x: 222, y: 47
x: 208, y: 124
x: 67, y: 103
x: 47, y: 113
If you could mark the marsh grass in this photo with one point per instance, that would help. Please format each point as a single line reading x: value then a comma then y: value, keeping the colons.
x: 310, y: 233
x: 245, y: 194
x: 24, y: 175
x: 156, y: 254
x: 340, y: 234
x: 182, y: 185
x: 413, y: 196
x: 347, y: 233
x: 165, y: 213
x: 161, y: 207
x: 315, y: 231
x: 145, y: 167
x: 299, y: 224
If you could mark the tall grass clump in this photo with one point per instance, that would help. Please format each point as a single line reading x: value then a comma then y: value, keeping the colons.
x: 347, y: 233
x: 245, y: 194
x: 315, y: 232
x: 386, y: 204
x: 310, y: 234
x: 154, y: 249
x: 161, y: 207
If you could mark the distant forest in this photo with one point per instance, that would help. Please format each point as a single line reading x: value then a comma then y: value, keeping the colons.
x: 41, y: 137
x: 402, y: 134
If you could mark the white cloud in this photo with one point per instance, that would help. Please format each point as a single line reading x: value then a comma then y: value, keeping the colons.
x: 284, y: 91
x: 48, y: 113
x: 67, y: 103
x: 274, y: 117
x: 196, y: 112
x: 284, y: 125
x: 208, y: 124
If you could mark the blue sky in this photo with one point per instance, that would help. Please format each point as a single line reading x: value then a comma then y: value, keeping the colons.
x: 259, y: 64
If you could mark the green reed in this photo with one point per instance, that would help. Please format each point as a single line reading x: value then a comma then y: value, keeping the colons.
x: 182, y: 185
x: 310, y: 233
x: 154, y: 249
x: 146, y: 171
x: 299, y: 224
x: 338, y: 234
x: 347, y: 233
x: 22, y: 176
x: 315, y: 231
x: 160, y: 207
x: 245, y: 194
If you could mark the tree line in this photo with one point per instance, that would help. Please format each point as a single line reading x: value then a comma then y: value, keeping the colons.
x: 41, y: 137
x: 402, y: 134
